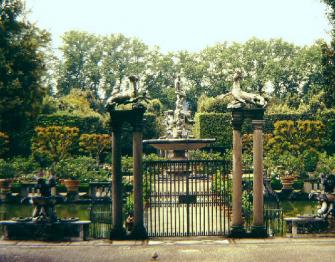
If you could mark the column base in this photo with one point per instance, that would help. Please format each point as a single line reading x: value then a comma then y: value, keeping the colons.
x: 138, y: 233
x: 259, y: 231
x: 237, y: 232
x: 117, y: 233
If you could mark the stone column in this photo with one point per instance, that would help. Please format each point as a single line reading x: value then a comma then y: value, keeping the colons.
x: 138, y: 231
x: 117, y: 231
x: 237, y: 228
x: 258, y: 228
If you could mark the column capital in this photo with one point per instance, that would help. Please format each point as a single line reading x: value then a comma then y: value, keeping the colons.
x: 258, y: 124
x: 237, y: 119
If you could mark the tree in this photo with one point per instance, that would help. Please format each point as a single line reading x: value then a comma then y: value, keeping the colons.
x: 53, y: 143
x: 95, y: 144
x: 22, y: 66
x: 328, y: 59
x: 79, y: 68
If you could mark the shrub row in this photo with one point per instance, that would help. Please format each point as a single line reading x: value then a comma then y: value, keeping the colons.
x: 218, y: 125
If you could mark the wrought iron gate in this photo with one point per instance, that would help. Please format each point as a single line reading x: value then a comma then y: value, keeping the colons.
x: 187, y: 198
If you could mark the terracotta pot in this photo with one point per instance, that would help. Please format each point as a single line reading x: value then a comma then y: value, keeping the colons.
x: 72, y: 185
x: 287, y: 181
x: 5, y: 185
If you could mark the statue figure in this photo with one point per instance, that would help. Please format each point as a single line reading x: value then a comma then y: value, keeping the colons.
x: 129, y: 96
x: 327, y: 198
x: 169, y: 124
x: 44, y: 210
x: 242, y: 98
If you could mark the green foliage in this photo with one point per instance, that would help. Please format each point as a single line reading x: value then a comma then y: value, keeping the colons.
x: 23, y: 51
x: 54, y: 142
x: 86, y: 124
x: 82, y: 168
x: 214, y: 125
x: 6, y: 169
x: 202, y: 155
x: 95, y: 144
x: 213, y: 104
x: 82, y: 53
x: 155, y: 106
x: 25, y: 168
x: 294, y: 146
x: 4, y: 141
x: 326, y: 164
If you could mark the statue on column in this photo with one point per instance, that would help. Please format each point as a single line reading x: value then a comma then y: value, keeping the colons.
x: 132, y: 95
x: 242, y: 98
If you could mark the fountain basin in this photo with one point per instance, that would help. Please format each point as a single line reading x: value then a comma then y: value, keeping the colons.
x: 179, y: 145
x: 56, y: 231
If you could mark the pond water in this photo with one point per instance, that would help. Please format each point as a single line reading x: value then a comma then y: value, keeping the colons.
x: 82, y: 211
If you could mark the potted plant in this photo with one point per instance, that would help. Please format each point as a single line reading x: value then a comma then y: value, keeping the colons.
x: 69, y: 171
x: 7, y: 173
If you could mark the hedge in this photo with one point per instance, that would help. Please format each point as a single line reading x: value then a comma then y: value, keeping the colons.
x: 214, y: 125
x: 86, y: 124
x: 218, y: 125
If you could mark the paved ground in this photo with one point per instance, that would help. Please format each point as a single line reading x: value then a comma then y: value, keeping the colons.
x: 278, y: 249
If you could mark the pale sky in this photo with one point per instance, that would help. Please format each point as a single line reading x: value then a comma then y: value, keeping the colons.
x: 185, y: 24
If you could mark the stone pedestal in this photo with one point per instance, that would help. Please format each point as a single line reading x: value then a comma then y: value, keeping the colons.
x: 237, y: 227
x: 258, y: 229
x: 255, y: 115
x: 117, y: 232
x: 138, y: 231
x: 135, y: 118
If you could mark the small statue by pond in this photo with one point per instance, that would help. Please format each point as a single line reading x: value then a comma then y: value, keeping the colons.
x: 327, y: 198
x: 242, y: 98
x: 44, y: 210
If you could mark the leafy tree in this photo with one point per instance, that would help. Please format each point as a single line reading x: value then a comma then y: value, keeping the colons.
x: 95, y: 144
x: 54, y: 143
x: 328, y: 58
x: 22, y: 66
x: 79, y: 68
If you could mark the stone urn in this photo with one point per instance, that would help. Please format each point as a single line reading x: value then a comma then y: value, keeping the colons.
x: 287, y: 181
x: 71, y: 185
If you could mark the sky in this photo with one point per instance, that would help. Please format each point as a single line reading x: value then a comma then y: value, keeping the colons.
x: 185, y: 24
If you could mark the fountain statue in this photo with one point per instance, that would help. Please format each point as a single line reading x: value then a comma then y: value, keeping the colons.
x: 44, y: 224
x: 242, y: 98
x: 326, y: 198
x: 323, y: 222
x: 178, y: 137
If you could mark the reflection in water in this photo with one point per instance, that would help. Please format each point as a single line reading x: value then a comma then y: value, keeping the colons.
x: 63, y: 211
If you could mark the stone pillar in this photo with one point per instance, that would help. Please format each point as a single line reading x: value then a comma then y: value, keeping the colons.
x: 258, y: 228
x: 237, y: 228
x: 138, y: 231
x: 117, y: 231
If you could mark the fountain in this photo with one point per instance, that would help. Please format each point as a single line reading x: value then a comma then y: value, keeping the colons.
x: 178, y: 140
x: 323, y: 222
x: 44, y: 224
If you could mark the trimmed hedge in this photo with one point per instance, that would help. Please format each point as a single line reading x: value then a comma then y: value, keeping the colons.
x: 214, y: 125
x: 218, y: 125
x: 86, y: 124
